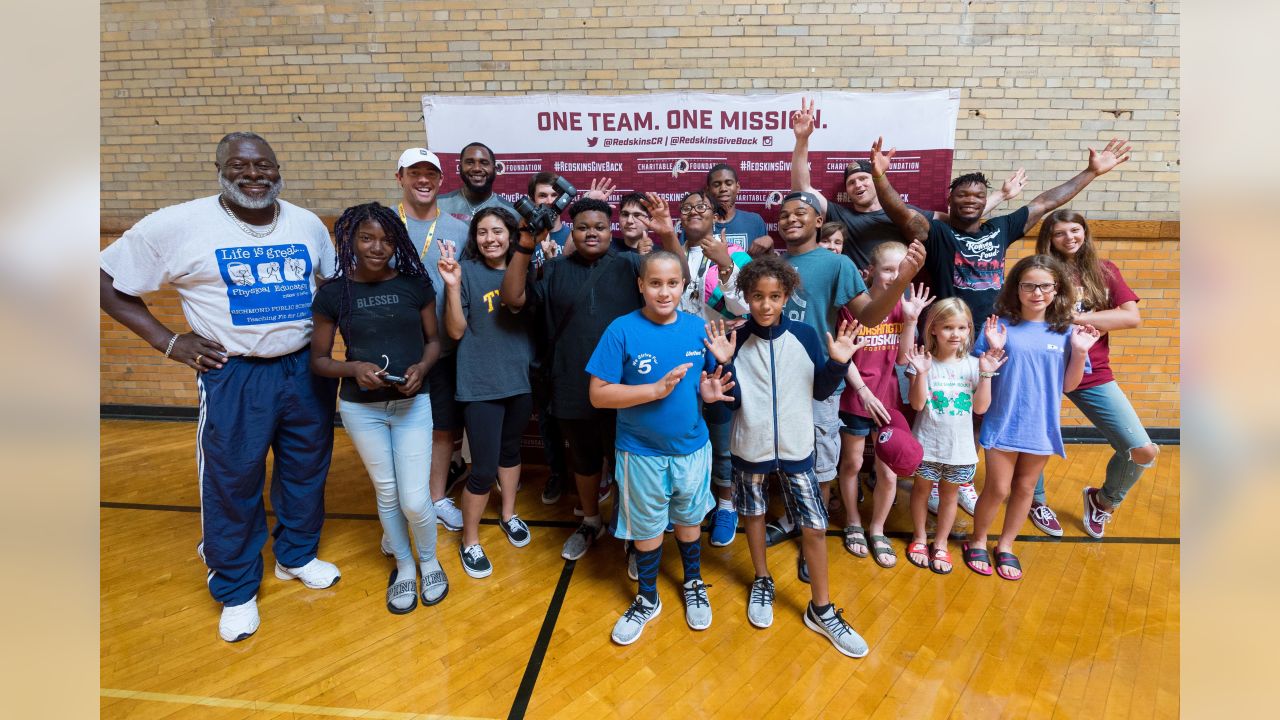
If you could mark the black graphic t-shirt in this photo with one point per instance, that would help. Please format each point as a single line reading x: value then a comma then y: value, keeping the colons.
x: 867, y: 230
x: 971, y: 266
x: 386, y: 319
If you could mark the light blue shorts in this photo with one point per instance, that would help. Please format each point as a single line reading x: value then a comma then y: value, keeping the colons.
x: 655, y: 489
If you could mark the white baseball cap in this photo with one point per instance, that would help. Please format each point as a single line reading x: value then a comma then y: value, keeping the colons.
x: 413, y: 156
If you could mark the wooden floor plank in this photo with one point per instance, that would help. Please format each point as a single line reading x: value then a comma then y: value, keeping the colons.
x: 1092, y: 625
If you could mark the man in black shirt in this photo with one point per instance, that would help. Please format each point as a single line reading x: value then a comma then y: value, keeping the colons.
x: 583, y: 292
x: 965, y: 256
x: 867, y: 222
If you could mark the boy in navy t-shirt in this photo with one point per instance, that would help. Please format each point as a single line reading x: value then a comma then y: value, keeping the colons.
x: 649, y: 365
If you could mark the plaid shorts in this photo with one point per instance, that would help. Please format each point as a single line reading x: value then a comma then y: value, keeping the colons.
x: 800, y: 493
x: 955, y: 474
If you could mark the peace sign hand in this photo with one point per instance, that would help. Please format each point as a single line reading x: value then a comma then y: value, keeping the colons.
x: 802, y: 120
x: 450, y: 270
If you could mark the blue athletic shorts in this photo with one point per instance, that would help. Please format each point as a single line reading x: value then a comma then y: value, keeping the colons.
x: 655, y: 489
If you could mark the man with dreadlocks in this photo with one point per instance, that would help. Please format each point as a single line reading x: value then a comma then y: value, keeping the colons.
x: 245, y: 265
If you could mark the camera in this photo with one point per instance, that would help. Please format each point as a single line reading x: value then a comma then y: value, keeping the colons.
x: 541, y: 218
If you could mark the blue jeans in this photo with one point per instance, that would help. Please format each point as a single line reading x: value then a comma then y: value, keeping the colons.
x: 721, y: 461
x: 1110, y: 411
x: 394, y: 441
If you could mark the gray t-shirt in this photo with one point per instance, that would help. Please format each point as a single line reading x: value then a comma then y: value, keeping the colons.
x: 456, y: 205
x: 443, y: 227
x: 495, y: 352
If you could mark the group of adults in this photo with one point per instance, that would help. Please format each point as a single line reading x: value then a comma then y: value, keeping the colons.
x: 255, y: 275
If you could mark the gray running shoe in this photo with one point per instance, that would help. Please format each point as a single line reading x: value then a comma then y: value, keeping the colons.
x: 833, y: 626
x: 580, y: 541
x: 697, y: 608
x: 760, y: 602
x: 632, y: 622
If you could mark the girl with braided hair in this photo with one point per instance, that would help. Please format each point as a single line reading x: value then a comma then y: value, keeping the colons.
x: 382, y: 301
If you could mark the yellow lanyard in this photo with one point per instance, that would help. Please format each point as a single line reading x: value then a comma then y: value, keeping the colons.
x: 431, y: 231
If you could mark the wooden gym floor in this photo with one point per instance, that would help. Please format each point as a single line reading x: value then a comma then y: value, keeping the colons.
x: 1090, y: 632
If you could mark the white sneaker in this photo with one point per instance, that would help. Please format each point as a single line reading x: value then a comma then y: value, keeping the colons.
x: 239, y: 621
x: 316, y: 574
x: 628, y: 628
x: 933, y: 499
x: 448, y: 514
x: 968, y: 498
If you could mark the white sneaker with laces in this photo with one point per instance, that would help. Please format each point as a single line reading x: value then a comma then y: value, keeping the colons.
x: 316, y: 574
x: 631, y: 624
x: 968, y: 497
x: 448, y: 514
x: 239, y: 621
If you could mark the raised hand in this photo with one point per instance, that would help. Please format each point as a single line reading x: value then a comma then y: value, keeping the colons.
x: 659, y: 220
x: 719, y: 343
x: 995, y: 333
x: 668, y: 382
x: 991, y: 360
x: 920, y: 359
x: 1084, y: 337
x: 913, y: 261
x: 879, y: 160
x: 601, y: 188
x: 802, y: 120
x: 450, y: 270
x: 842, y: 347
x: 717, y: 249
x: 1116, y: 152
x: 1013, y: 186
x: 917, y: 299
x: 716, y: 387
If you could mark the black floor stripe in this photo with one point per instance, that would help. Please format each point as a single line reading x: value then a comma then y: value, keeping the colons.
x: 521, y: 703
x: 570, y: 524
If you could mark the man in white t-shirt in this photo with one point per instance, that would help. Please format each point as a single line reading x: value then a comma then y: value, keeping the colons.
x: 245, y: 265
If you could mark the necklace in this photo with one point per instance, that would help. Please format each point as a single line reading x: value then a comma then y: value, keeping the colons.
x: 246, y: 226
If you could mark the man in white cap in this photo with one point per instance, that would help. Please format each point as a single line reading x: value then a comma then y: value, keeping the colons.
x: 419, y: 176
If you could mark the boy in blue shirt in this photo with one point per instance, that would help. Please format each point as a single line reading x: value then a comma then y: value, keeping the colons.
x: 641, y: 368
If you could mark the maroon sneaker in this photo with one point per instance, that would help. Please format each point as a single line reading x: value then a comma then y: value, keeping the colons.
x: 1042, y: 517
x: 1095, y: 518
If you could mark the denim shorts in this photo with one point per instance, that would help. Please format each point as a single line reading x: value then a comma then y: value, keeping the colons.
x: 800, y: 493
x: 856, y: 425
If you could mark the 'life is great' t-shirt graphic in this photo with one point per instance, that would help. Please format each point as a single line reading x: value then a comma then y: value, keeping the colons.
x: 266, y: 284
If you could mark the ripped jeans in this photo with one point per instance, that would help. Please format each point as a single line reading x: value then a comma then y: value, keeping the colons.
x: 1110, y: 411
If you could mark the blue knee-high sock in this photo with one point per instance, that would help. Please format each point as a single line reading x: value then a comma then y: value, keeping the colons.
x: 691, y: 556
x: 647, y: 562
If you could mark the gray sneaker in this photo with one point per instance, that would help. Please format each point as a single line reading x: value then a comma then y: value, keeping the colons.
x: 435, y: 585
x: 448, y: 514
x: 580, y: 541
x: 760, y: 602
x: 697, y: 608
x: 833, y: 626
x: 632, y: 622
x: 632, y: 571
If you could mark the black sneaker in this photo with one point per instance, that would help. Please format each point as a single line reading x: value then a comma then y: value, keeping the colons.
x: 516, y: 531
x: 553, y: 490
x: 458, y: 472
x: 474, y: 561
x: 774, y: 534
x: 802, y: 570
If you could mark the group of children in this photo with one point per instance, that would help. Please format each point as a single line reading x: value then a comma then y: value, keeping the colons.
x: 704, y: 369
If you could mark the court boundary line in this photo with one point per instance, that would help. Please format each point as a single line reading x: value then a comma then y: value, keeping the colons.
x: 520, y: 704
x: 572, y: 524
x: 268, y: 706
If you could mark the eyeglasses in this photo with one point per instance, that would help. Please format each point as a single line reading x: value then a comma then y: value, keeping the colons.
x: 260, y: 166
x: 691, y: 209
x: 1044, y: 288
x: 624, y: 215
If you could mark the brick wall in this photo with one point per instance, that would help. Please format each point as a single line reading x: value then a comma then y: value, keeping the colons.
x: 336, y: 87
